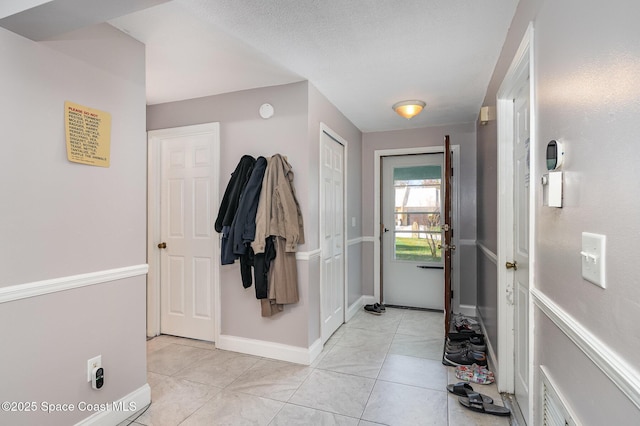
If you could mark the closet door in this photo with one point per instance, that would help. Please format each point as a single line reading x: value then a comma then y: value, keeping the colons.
x: 332, y: 285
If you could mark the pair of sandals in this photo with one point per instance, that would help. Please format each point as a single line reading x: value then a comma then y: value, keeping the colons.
x: 475, y: 373
x: 376, y: 308
x: 476, y: 401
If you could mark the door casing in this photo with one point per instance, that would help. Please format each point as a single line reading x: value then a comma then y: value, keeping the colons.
x: 378, y: 154
x: 154, y: 167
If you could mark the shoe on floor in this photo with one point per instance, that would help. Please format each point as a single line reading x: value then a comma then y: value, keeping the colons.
x: 380, y: 306
x: 474, y: 402
x: 373, y: 309
x: 458, y: 346
x: 466, y: 358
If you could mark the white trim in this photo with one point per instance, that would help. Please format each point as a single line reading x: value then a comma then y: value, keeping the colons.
x: 521, y: 69
x: 368, y: 300
x: 467, y: 242
x: 378, y: 154
x: 324, y: 129
x: 490, y: 351
x: 262, y: 348
x: 355, y: 241
x: 154, y: 181
x: 38, y: 288
x: 624, y: 375
x: 139, y: 398
x: 491, y: 255
x: 368, y: 239
x: 468, y: 310
x: 308, y: 255
x: 355, y: 307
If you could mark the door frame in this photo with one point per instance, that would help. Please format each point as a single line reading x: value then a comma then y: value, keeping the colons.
x: 522, y: 67
x: 345, y: 249
x: 154, y: 187
x: 455, y: 185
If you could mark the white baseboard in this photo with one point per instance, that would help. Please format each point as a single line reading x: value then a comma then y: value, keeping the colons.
x: 355, y: 307
x: 121, y: 410
x: 279, y: 351
x: 468, y: 310
x: 368, y: 300
x: 491, y: 354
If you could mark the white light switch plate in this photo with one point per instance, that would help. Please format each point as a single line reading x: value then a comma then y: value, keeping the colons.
x: 593, y: 258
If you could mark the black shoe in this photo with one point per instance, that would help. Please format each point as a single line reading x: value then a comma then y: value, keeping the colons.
x: 373, y: 309
x: 380, y: 306
x: 466, y: 358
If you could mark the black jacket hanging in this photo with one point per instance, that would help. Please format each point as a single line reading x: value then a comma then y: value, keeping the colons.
x: 231, y: 196
x: 229, y: 205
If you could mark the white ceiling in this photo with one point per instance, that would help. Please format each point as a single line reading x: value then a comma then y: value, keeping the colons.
x: 363, y: 55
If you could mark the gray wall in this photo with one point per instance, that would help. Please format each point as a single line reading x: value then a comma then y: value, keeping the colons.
x: 587, y: 69
x: 60, y: 219
x: 293, y: 131
x: 461, y: 134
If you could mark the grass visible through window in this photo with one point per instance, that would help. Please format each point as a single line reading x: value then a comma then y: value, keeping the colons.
x: 416, y: 249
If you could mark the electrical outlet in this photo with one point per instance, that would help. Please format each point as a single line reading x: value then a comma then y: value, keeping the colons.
x: 94, y: 362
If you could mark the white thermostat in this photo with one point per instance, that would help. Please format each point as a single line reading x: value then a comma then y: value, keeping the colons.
x: 555, y: 155
x: 266, y: 111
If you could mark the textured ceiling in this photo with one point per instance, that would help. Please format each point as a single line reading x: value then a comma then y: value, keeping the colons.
x: 363, y: 55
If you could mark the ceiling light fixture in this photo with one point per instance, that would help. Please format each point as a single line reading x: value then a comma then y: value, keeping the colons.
x: 408, y: 109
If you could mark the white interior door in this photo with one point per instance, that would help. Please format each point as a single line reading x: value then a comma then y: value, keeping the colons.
x: 521, y: 246
x: 411, y: 204
x: 188, y: 268
x: 332, y: 232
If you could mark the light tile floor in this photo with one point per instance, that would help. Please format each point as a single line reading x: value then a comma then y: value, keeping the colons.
x: 374, y: 370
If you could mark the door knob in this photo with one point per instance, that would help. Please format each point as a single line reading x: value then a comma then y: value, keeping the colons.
x: 446, y: 247
x: 512, y: 265
x: 162, y: 245
x: 386, y: 229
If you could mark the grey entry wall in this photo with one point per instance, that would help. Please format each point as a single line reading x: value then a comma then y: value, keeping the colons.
x: 63, y: 219
x: 461, y: 134
x: 587, y: 67
x: 292, y: 131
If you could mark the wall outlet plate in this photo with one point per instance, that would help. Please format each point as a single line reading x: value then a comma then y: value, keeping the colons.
x: 94, y: 362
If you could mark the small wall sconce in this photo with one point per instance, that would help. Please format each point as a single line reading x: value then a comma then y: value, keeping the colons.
x: 408, y: 109
x: 487, y: 114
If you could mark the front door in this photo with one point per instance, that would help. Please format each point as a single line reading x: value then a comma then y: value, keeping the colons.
x: 187, y: 238
x: 332, y: 232
x: 447, y: 232
x: 411, y: 204
x: 521, y: 246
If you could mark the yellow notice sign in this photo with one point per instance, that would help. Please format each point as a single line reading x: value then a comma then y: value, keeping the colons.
x: 88, y: 134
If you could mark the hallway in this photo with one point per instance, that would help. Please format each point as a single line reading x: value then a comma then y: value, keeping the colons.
x: 374, y: 370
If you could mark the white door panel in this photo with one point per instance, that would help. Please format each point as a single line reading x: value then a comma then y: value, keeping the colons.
x: 412, y: 265
x: 187, y: 264
x: 332, y: 230
x: 521, y: 247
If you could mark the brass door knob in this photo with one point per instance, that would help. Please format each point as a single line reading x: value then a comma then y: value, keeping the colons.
x: 162, y: 245
x: 512, y: 265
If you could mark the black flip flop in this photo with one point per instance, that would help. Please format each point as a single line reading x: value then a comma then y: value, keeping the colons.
x: 380, y: 306
x: 464, y: 389
x: 474, y: 402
